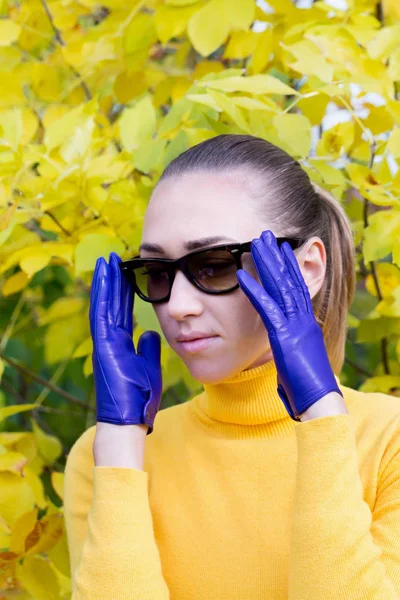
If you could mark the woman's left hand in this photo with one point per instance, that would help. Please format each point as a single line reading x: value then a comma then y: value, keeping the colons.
x: 284, y: 304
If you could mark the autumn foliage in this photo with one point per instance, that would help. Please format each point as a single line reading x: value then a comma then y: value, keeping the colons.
x: 96, y: 99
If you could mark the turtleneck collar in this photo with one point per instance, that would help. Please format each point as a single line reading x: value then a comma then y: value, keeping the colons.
x: 245, y: 406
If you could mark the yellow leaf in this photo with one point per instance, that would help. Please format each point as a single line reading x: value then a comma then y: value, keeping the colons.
x: 46, y: 534
x: 49, y: 446
x: 209, y: 27
x: 262, y: 53
x: 53, y: 113
x: 78, y: 144
x: 71, y: 330
x: 2, y: 366
x: 148, y: 156
x: 330, y: 175
x: 394, y: 143
x: 314, y: 107
x: 15, y: 283
x: 39, y: 578
x: 241, y: 44
x: 140, y: 34
x: 137, y: 124
x: 171, y: 21
x: 11, y: 126
x: 57, y: 481
x: 46, y: 82
x: 294, y: 131
x: 13, y: 461
x: 380, y: 383
x: 34, y: 263
x: 205, y: 99
x: 240, y: 13
x: 15, y: 94
x: 129, y: 84
x: 336, y: 140
x: 384, y: 42
x: 21, y: 529
x: 61, y: 309
x: 394, y: 65
x: 8, y: 411
x: 381, y: 234
x: 9, y: 32
x: 91, y: 247
x: 234, y: 112
x: 180, y: 2
x: 60, y: 130
x: 310, y: 61
x: 254, y: 84
x: 16, y: 496
x: 36, y: 485
x: 85, y: 348
x: 388, y: 276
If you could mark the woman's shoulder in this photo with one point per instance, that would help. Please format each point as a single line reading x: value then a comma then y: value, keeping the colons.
x: 373, y: 410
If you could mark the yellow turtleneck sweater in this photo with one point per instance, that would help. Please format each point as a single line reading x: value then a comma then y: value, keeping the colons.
x: 239, y: 502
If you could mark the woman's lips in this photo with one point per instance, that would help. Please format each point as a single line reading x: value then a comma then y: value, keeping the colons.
x: 199, y: 344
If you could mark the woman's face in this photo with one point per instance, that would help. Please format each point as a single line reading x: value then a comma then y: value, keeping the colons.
x: 191, y: 207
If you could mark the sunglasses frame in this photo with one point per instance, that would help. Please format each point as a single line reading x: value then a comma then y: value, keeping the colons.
x: 128, y: 266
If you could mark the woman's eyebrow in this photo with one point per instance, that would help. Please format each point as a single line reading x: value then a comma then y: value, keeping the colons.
x: 191, y: 245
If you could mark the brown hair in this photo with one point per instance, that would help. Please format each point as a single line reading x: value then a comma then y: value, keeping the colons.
x: 305, y: 210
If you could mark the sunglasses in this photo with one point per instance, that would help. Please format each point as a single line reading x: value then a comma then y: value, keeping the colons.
x: 212, y: 270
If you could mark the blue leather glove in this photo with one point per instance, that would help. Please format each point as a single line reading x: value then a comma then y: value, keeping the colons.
x: 296, y: 339
x: 128, y: 385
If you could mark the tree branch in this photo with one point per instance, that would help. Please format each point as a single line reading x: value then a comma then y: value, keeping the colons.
x: 46, y: 383
x: 62, y: 43
x: 384, y: 341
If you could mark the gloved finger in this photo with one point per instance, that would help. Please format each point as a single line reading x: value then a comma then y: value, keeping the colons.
x: 269, y: 239
x: 102, y: 297
x: 93, y: 295
x: 304, y: 293
x: 149, y: 346
x: 115, y: 289
x: 128, y: 294
x: 272, y: 278
x: 271, y: 314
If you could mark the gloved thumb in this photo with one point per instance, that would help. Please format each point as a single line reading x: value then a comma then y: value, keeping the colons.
x: 149, y: 346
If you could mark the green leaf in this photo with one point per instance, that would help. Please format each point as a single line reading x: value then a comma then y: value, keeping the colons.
x: 254, y: 84
x: 91, y: 247
x: 294, y: 131
x: 208, y: 28
x: 137, y: 124
x: 381, y: 234
x: 8, y: 411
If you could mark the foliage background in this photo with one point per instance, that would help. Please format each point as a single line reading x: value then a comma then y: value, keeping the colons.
x: 97, y: 98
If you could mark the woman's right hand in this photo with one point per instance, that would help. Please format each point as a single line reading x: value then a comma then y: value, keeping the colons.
x: 128, y: 384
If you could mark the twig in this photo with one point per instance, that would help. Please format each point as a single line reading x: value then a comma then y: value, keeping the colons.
x: 384, y: 341
x: 11, y: 324
x: 357, y: 367
x: 62, y: 43
x: 21, y: 400
x: 44, y: 382
x: 57, y: 222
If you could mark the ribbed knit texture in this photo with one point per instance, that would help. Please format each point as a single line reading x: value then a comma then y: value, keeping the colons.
x: 239, y: 502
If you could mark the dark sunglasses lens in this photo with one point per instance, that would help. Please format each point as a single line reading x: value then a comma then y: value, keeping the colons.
x: 214, y: 270
x: 152, y: 279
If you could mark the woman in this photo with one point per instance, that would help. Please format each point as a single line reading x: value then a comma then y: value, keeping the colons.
x: 276, y: 481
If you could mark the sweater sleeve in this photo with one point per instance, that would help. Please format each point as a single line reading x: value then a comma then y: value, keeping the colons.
x: 339, y: 549
x: 112, y: 549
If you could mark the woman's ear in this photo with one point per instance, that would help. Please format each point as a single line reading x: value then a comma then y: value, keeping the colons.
x: 312, y: 262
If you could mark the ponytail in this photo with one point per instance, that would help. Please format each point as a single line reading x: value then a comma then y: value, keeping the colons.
x: 334, y: 299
